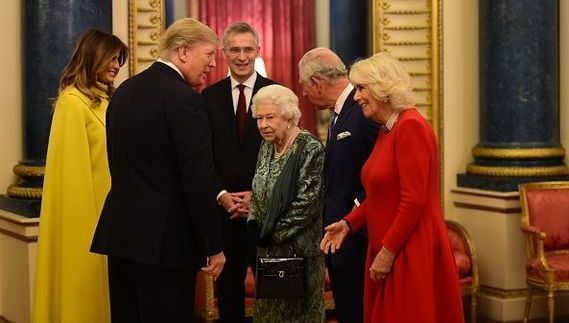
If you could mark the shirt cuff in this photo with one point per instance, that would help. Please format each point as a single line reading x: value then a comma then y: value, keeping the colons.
x: 356, y: 202
x: 219, y: 195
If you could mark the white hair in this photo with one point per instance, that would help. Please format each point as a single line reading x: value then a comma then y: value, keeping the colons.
x: 281, y: 97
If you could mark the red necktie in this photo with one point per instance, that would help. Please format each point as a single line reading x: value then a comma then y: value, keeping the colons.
x: 241, y: 112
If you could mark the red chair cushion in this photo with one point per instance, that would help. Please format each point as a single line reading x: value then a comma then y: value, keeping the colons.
x: 559, y: 263
x: 249, y: 283
x: 461, y: 257
x: 548, y: 210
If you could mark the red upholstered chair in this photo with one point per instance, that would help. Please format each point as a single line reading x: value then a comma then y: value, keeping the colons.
x: 545, y: 223
x: 206, y: 301
x: 466, y: 261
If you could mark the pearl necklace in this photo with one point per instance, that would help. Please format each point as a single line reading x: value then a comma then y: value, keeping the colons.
x: 391, y: 121
x: 288, y: 143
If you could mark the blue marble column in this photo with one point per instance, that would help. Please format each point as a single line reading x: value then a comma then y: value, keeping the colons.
x: 349, y: 32
x: 51, y: 29
x: 519, y: 96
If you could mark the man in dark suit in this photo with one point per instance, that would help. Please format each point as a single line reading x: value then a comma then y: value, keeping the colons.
x: 351, y: 138
x: 158, y: 221
x: 236, y: 142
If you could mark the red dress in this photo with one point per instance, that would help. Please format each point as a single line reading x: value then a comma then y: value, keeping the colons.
x: 402, y: 212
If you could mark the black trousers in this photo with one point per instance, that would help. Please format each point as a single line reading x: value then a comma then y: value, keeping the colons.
x: 142, y: 293
x: 348, y: 288
x: 239, y: 253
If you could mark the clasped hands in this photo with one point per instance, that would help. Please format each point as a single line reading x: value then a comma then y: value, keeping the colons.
x: 236, y: 204
x: 335, y: 234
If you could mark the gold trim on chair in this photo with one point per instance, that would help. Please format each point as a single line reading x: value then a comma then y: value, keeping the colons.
x: 535, y: 248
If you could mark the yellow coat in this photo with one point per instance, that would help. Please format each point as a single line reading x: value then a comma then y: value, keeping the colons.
x: 71, y: 283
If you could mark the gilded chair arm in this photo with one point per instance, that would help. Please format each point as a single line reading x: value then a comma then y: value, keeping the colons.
x: 540, y: 237
x: 529, y: 229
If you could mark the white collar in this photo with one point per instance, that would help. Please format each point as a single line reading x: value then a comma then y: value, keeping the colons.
x: 250, y: 82
x: 342, y: 98
x: 172, y: 65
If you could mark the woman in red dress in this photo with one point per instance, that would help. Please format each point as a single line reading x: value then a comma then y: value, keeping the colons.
x: 412, y: 274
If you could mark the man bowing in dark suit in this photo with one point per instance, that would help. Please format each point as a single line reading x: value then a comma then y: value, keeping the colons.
x: 236, y: 142
x: 159, y: 218
x: 351, y: 137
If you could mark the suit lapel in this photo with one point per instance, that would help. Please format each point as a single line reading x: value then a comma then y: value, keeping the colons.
x: 344, y: 115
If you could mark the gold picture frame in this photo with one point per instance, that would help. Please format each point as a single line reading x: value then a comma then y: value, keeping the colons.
x: 145, y: 25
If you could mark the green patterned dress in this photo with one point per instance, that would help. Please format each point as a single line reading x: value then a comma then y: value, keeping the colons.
x: 301, y: 226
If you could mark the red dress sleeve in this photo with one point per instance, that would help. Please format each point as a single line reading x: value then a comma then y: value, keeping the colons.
x: 357, y: 217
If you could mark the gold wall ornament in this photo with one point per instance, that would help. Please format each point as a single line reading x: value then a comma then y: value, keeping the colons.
x: 24, y: 192
x: 412, y: 32
x: 29, y: 171
x: 145, y: 25
x: 522, y: 171
x: 518, y: 153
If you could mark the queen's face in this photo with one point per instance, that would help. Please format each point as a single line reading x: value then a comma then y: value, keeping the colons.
x: 272, y: 124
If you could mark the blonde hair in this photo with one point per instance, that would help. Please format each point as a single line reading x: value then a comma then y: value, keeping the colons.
x: 387, y: 79
x: 94, y: 51
x: 322, y: 62
x: 283, y: 98
x: 184, y: 32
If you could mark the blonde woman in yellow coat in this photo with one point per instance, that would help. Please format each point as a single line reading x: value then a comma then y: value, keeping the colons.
x: 71, y: 283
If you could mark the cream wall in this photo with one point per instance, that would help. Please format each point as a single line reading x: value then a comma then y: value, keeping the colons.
x: 460, y: 91
x: 10, y: 92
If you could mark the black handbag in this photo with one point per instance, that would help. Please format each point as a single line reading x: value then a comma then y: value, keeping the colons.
x: 279, y: 277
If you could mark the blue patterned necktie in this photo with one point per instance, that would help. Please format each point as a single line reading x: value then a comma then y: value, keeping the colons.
x: 332, y: 124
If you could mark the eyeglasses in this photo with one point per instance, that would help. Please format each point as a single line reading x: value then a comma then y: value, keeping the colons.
x: 238, y: 50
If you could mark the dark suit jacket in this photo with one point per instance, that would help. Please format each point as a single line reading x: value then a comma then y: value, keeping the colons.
x: 234, y: 160
x: 159, y: 208
x: 342, y: 174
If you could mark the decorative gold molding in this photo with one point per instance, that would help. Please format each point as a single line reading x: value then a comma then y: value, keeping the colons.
x: 145, y: 25
x: 29, y: 171
x: 24, y: 192
x: 518, y: 153
x: 517, y: 171
x: 503, y: 293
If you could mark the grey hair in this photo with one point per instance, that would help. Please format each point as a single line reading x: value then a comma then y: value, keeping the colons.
x: 387, y: 79
x: 321, y: 62
x: 281, y: 97
x: 184, y: 32
x: 239, y: 28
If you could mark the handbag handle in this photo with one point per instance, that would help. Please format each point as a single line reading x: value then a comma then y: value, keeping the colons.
x: 293, y: 251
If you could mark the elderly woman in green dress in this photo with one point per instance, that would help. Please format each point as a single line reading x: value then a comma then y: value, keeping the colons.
x: 298, y: 228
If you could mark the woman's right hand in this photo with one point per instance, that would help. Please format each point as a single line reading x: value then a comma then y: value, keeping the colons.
x: 334, y: 236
